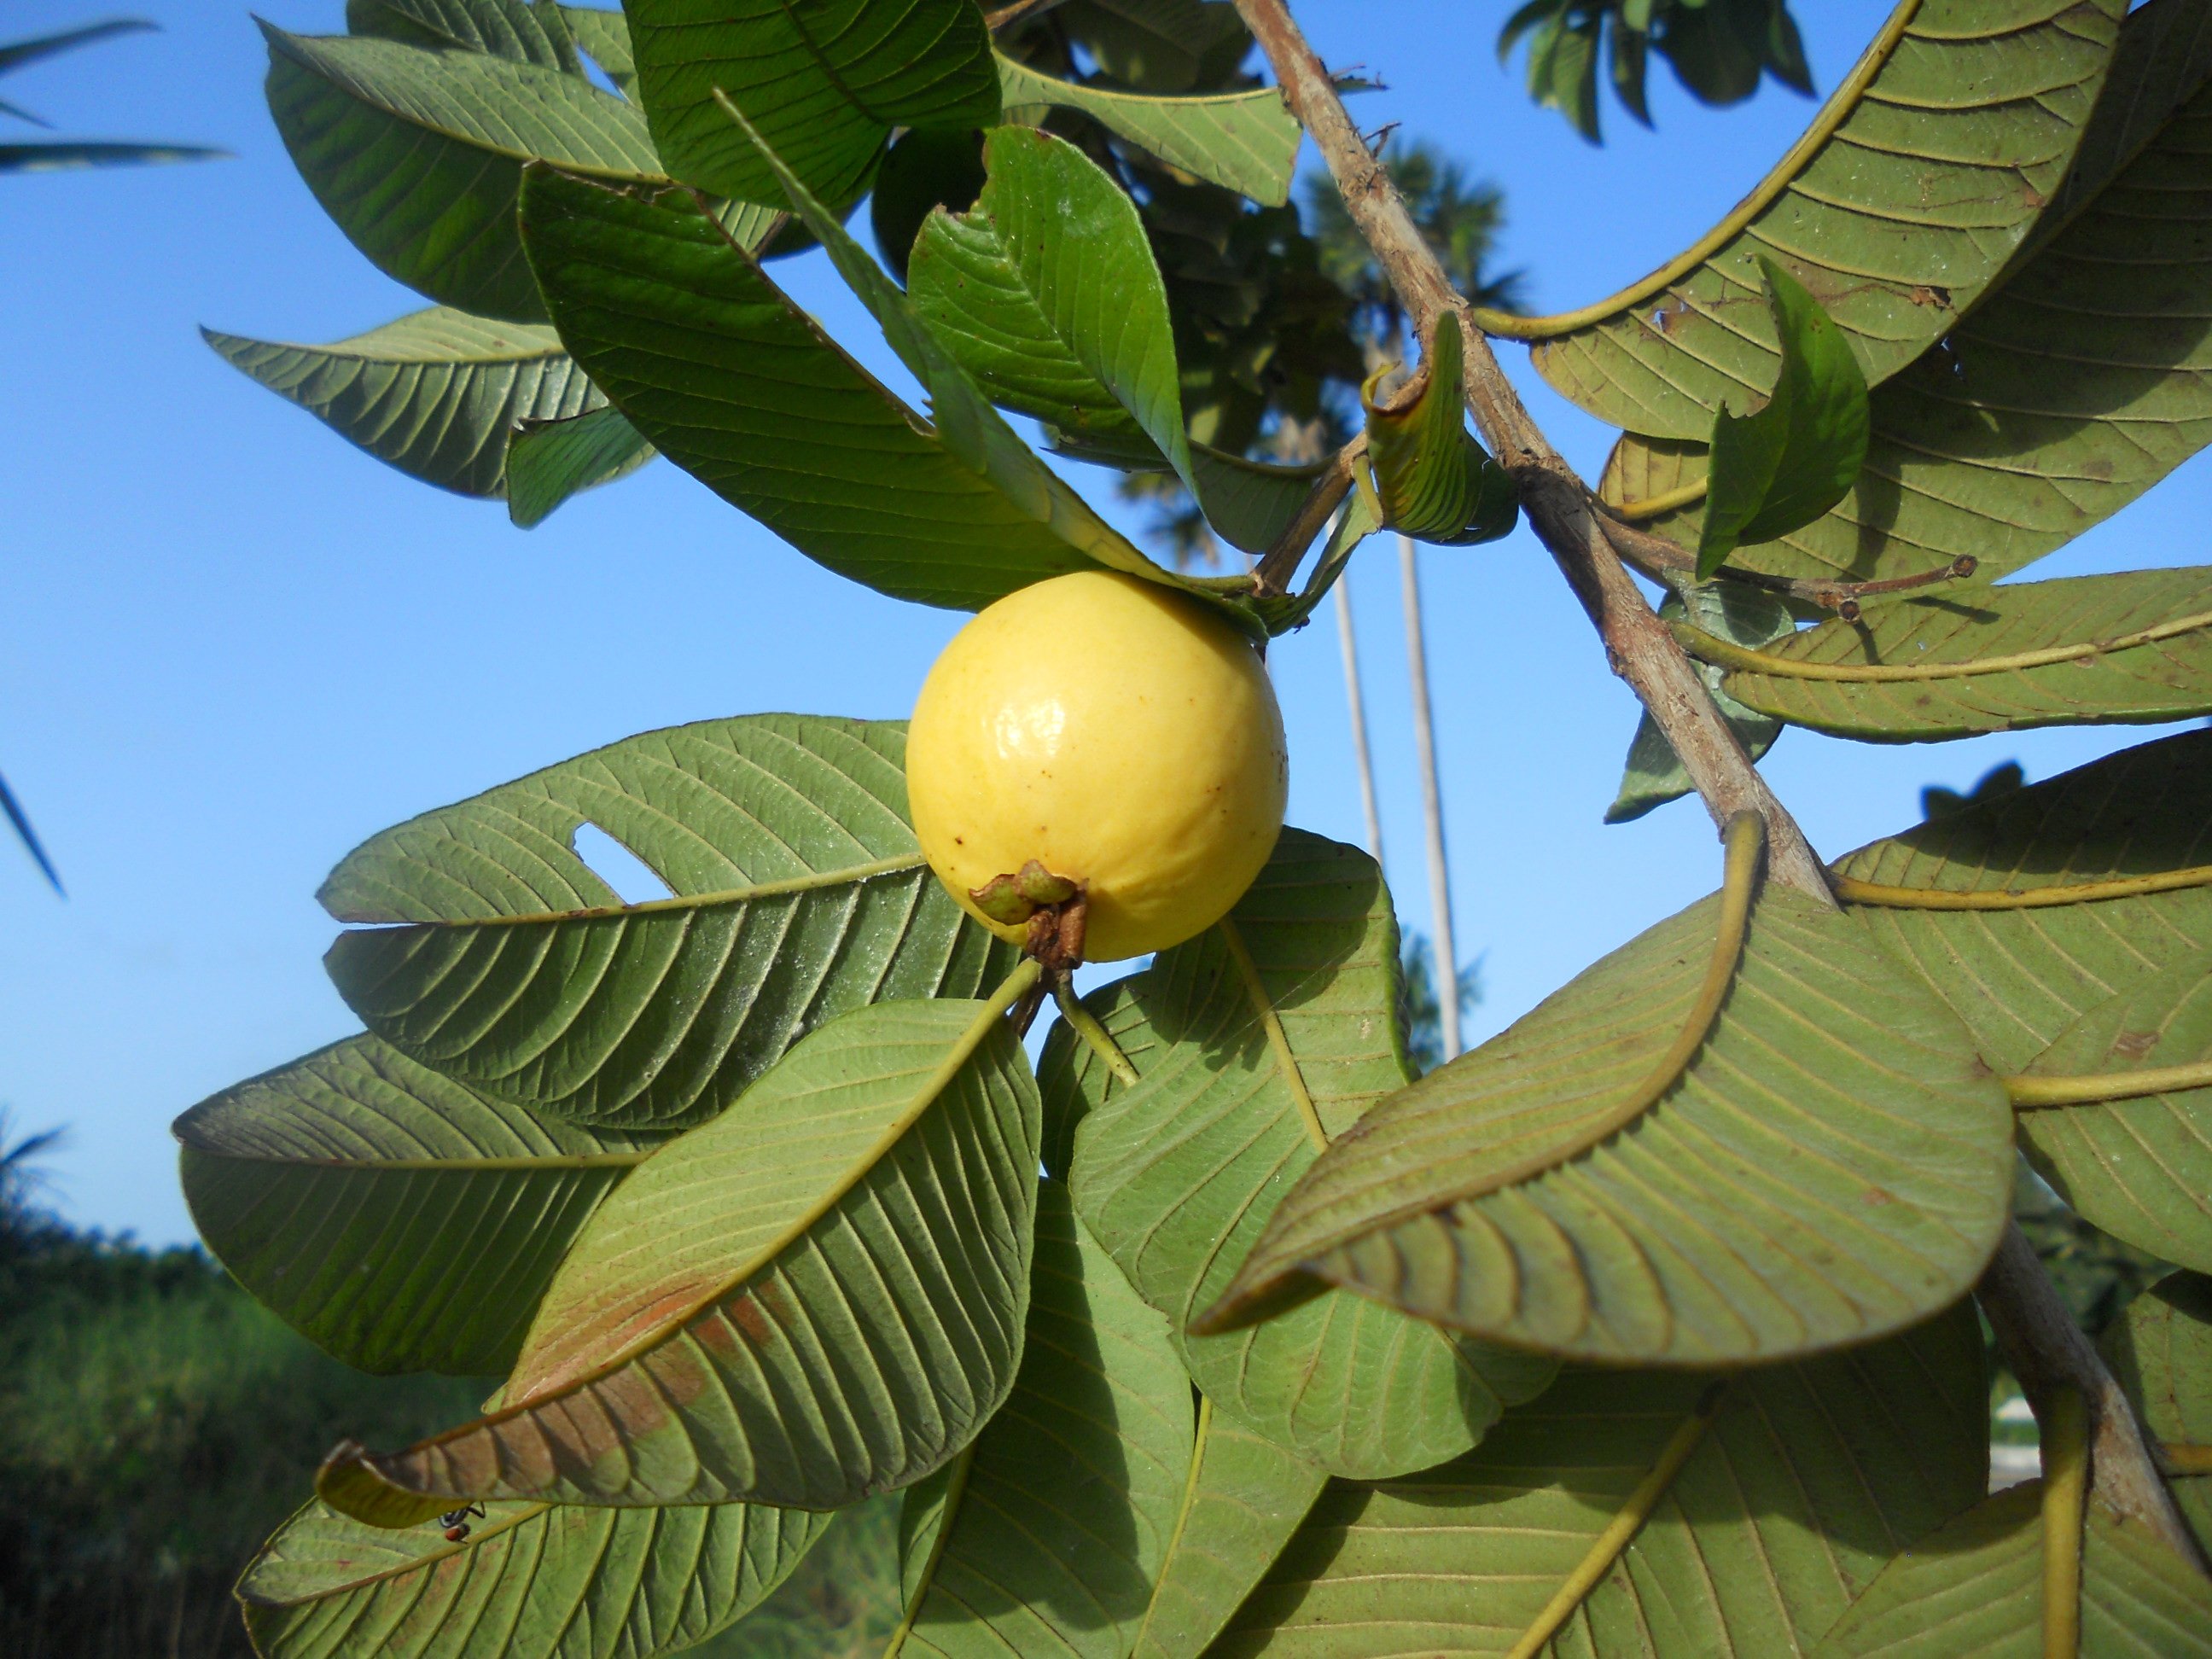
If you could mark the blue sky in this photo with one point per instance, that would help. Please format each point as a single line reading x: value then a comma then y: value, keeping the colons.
x: 231, y: 646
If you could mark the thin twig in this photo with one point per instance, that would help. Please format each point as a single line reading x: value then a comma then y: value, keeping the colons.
x: 1272, y: 575
x: 2049, y: 1354
x: 1638, y: 644
x: 1664, y: 560
x: 1020, y: 11
x: 2041, y: 1339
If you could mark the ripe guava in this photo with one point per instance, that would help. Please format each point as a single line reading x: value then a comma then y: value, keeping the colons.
x: 1116, y: 734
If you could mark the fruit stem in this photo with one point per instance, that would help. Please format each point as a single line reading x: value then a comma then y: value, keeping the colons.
x: 1086, y: 1026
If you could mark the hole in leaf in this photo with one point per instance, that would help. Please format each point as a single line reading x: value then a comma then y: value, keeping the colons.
x: 634, y: 881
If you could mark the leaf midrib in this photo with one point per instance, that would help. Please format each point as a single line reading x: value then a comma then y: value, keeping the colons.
x: 850, y: 875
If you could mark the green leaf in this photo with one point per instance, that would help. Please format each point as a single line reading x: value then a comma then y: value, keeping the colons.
x: 519, y: 30
x: 723, y: 374
x: 1833, y: 1162
x: 824, y: 81
x: 549, y: 461
x: 2134, y: 648
x: 1436, y: 484
x: 393, y: 1217
x: 1914, y: 184
x: 2140, y: 1167
x: 2019, y: 978
x: 807, y: 1301
x: 1742, y: 614
x: 2161, y: 1351
x: 1254, y: 1043
x: 530, y: 1581
x: 1247, y: 1497
x: 1046, y: 293
x: 1049, y: 1537
x: 1976, y: 1586
x: 798, y: 893
x: 604, y: 37
x: 1795, y: 458
x: 15, y: 54
x: 1997, y: 447
x: 923, y: 171
x: 66, y: 155
x: 1810, y: 1477
x: 1160, y: 45
x: 418, y: 156
x: 1247, y: 141
x: 433, y: 394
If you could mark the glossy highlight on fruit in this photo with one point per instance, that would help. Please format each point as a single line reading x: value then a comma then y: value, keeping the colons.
x: 1117, y: 733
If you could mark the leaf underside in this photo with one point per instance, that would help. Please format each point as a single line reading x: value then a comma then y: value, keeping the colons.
x: 655, y: 1017
x: 1436, y: 483
x: 2165, y: 679
x: 433, y: 394
x: 1835, y: 1162
x: 1174, y: 1175
x: 1994, y: 444
x: 530, y: 1581
x: 1812, y: 1475
x: 550, y: 461
x: 810, y: 1300
x: 1936, y: 172
x: 1976, y: 1586
x: 1071, y: 1492
x: 349, y: 1192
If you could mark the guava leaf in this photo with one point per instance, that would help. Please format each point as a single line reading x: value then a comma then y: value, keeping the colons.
x: 1247, y: 141
x: 1791, y: 461
x: 824, y: 81
x: 531, y: 1581
x: 1993, y: 445
x: 1243, y: 1077
x: 1833, y: 1162
x: 391, y: 1217
x: 516, y: 29
x: 2130, y: 648
x: 2161, y: 1351
x: 2139, y: 1168
x: 1913, y: 187
x: 1046, y: 293
x: 1246, y: 1499
x: 604, y: 37
x: 417, y: 154
x: 723, y: 374
x: 2019, y: 978
x: 1975, y: 1586
x: 924, y: 170
x: 1436, y: 484
x: 550, y: 461
x: 434, y: 394
x: 1047, y: 1538
x: 796, y: 889
x: 873, y: 1202
x: 1809, y: 1478
x: 1742, y: 615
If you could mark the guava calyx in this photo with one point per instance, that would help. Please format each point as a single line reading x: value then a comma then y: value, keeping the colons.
x: 1014, y: 899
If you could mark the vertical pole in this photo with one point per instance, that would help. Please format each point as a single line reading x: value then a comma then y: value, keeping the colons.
x: 1432, y: 808
x: 1360, y: 755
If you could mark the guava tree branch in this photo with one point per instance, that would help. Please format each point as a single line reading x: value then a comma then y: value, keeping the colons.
x: 2041, y: 1341
x: 1560, y: 507
x: 2047, y: 1353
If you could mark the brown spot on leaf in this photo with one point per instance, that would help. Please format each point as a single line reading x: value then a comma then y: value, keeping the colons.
x: 2134, y: 1045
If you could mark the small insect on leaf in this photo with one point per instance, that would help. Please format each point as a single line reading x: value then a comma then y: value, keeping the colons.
x: 1784, y: 466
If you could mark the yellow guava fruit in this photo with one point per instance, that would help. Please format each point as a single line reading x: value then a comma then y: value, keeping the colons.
x: 1114, y: 732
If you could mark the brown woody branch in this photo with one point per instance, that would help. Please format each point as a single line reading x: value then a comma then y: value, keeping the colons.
x: 2048, y: 1352
x: 1559, y: 504
x: 1002, y: 17
x: 2041, y: 1341
x: 1663, y: 559
x: 1272, y: 575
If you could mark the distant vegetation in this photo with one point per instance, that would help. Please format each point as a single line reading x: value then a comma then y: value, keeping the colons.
x: 156, y: 1423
